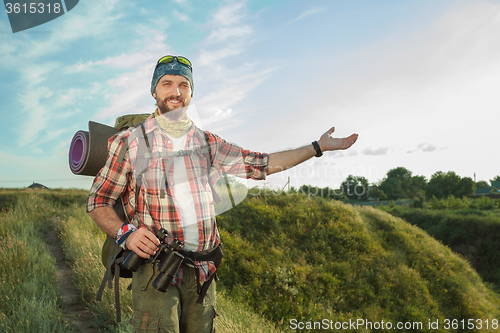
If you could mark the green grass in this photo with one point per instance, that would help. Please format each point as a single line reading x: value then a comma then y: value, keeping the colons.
x: 82, y: 241
x: 470, y: 232
x: 294, y: 257
x: 29, y: 295
x: 59, y: 197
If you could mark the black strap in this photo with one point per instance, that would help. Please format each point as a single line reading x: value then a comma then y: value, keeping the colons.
x: 108, y: 278
x: 217, y: 260
x: 209, y: 167
x: 190, y: 258
x: 118, y: 261
x: 144, y: 135
x: 207, y: 255
x: 316, y: 146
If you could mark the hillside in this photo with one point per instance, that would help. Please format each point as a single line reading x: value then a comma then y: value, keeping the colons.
x: 308, y: 259
x: 472, y: 233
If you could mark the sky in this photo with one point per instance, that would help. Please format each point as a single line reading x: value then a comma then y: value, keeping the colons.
x: 418, y: 81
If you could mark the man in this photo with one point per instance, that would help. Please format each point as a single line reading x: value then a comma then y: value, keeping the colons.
x: 178, y: 197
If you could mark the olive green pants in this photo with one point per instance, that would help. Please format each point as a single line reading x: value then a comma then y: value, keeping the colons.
x: 174, y: 311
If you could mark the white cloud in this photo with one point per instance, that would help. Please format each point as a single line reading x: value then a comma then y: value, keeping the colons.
x: 213, y: 58
x: 425, y: 148
x: 221, y: 34
x: 42, y: 98
x: 34, y: 115
x: 308, y: 12
x: 229, y: 35
x: 225, y: 84
x: 132, y: 88
x: 181, y: 17
x: 132, y: 93
x: 230, y: 15
x: 91, y: 19
x: 377, y: 151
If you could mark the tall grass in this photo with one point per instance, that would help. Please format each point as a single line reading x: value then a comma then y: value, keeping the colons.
x: 472, y: 233
x: 29, y: 295
x: 82, y: 241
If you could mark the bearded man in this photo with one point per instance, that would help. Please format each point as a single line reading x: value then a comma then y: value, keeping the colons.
x: 176, y: 194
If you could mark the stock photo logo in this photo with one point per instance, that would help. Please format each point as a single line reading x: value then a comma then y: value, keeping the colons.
x: 24, y: 15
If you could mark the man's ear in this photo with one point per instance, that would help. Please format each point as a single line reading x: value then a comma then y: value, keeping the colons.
x: 154, y: 94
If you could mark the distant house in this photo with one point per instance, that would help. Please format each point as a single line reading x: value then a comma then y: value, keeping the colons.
x: 484, y: 191
x: 493, y: 189
x: 36, y: 185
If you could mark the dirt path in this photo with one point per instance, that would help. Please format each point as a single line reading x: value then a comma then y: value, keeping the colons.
x: 75, y: 311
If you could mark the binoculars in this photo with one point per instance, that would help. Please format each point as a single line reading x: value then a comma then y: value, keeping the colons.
x: 167, y: 258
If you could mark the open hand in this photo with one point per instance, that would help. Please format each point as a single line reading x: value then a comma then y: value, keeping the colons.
x: 326, y: 142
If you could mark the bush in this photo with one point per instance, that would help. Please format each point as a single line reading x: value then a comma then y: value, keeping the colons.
x: 483, y: 203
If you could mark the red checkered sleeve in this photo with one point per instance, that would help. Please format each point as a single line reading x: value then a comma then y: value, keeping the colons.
x: 231, y: 159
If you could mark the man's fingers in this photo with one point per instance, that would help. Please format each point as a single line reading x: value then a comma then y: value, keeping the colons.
x: 143, y: 242
x: 152, y: 237
x: 330, y: 131
x: 350, y: 140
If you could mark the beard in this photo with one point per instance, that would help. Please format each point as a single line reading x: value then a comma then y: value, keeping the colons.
x: 173, y: 113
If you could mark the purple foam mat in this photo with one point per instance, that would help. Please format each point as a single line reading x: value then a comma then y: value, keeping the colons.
x: 89, y: 149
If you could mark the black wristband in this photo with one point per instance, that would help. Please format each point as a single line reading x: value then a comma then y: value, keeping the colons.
x: 319, y: 153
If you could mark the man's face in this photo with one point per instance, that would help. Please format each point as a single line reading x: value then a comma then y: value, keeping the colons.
x: 172, y: 92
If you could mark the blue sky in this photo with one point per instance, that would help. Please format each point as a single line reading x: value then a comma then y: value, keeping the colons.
x: 417, y: 80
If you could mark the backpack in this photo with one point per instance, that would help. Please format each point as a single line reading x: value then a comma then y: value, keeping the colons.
x: 112, y: 255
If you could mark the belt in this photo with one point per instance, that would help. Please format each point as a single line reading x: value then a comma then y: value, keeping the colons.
x: 214, y: 255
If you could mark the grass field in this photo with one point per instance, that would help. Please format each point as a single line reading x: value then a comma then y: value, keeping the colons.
x: 286, y: 258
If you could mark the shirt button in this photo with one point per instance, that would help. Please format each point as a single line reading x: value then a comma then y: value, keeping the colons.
x: 169, y: 141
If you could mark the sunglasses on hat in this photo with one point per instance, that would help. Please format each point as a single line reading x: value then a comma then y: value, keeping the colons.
x: 169, y: 59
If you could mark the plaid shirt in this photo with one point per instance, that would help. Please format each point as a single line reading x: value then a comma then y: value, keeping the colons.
x: 156, y: 206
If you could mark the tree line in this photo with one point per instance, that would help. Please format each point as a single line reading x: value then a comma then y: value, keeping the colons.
x: 400, y: 183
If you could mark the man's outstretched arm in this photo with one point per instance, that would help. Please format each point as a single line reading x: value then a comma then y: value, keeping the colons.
x: 283, y: 160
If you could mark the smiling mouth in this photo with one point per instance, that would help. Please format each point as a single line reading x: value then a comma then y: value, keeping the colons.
x: 174, y: 101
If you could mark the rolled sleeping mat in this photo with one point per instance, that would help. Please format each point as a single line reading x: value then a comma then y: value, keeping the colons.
x: 89, y: 150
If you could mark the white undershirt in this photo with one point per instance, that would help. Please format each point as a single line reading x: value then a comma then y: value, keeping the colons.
x: 183, y: 197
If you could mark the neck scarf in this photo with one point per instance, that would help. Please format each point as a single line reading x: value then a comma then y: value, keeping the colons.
x: 174, y: 129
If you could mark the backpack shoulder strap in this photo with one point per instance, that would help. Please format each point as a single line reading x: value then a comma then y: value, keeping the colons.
x: 208, y: 153
x: 208, y: 156
x: 142, y: 161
